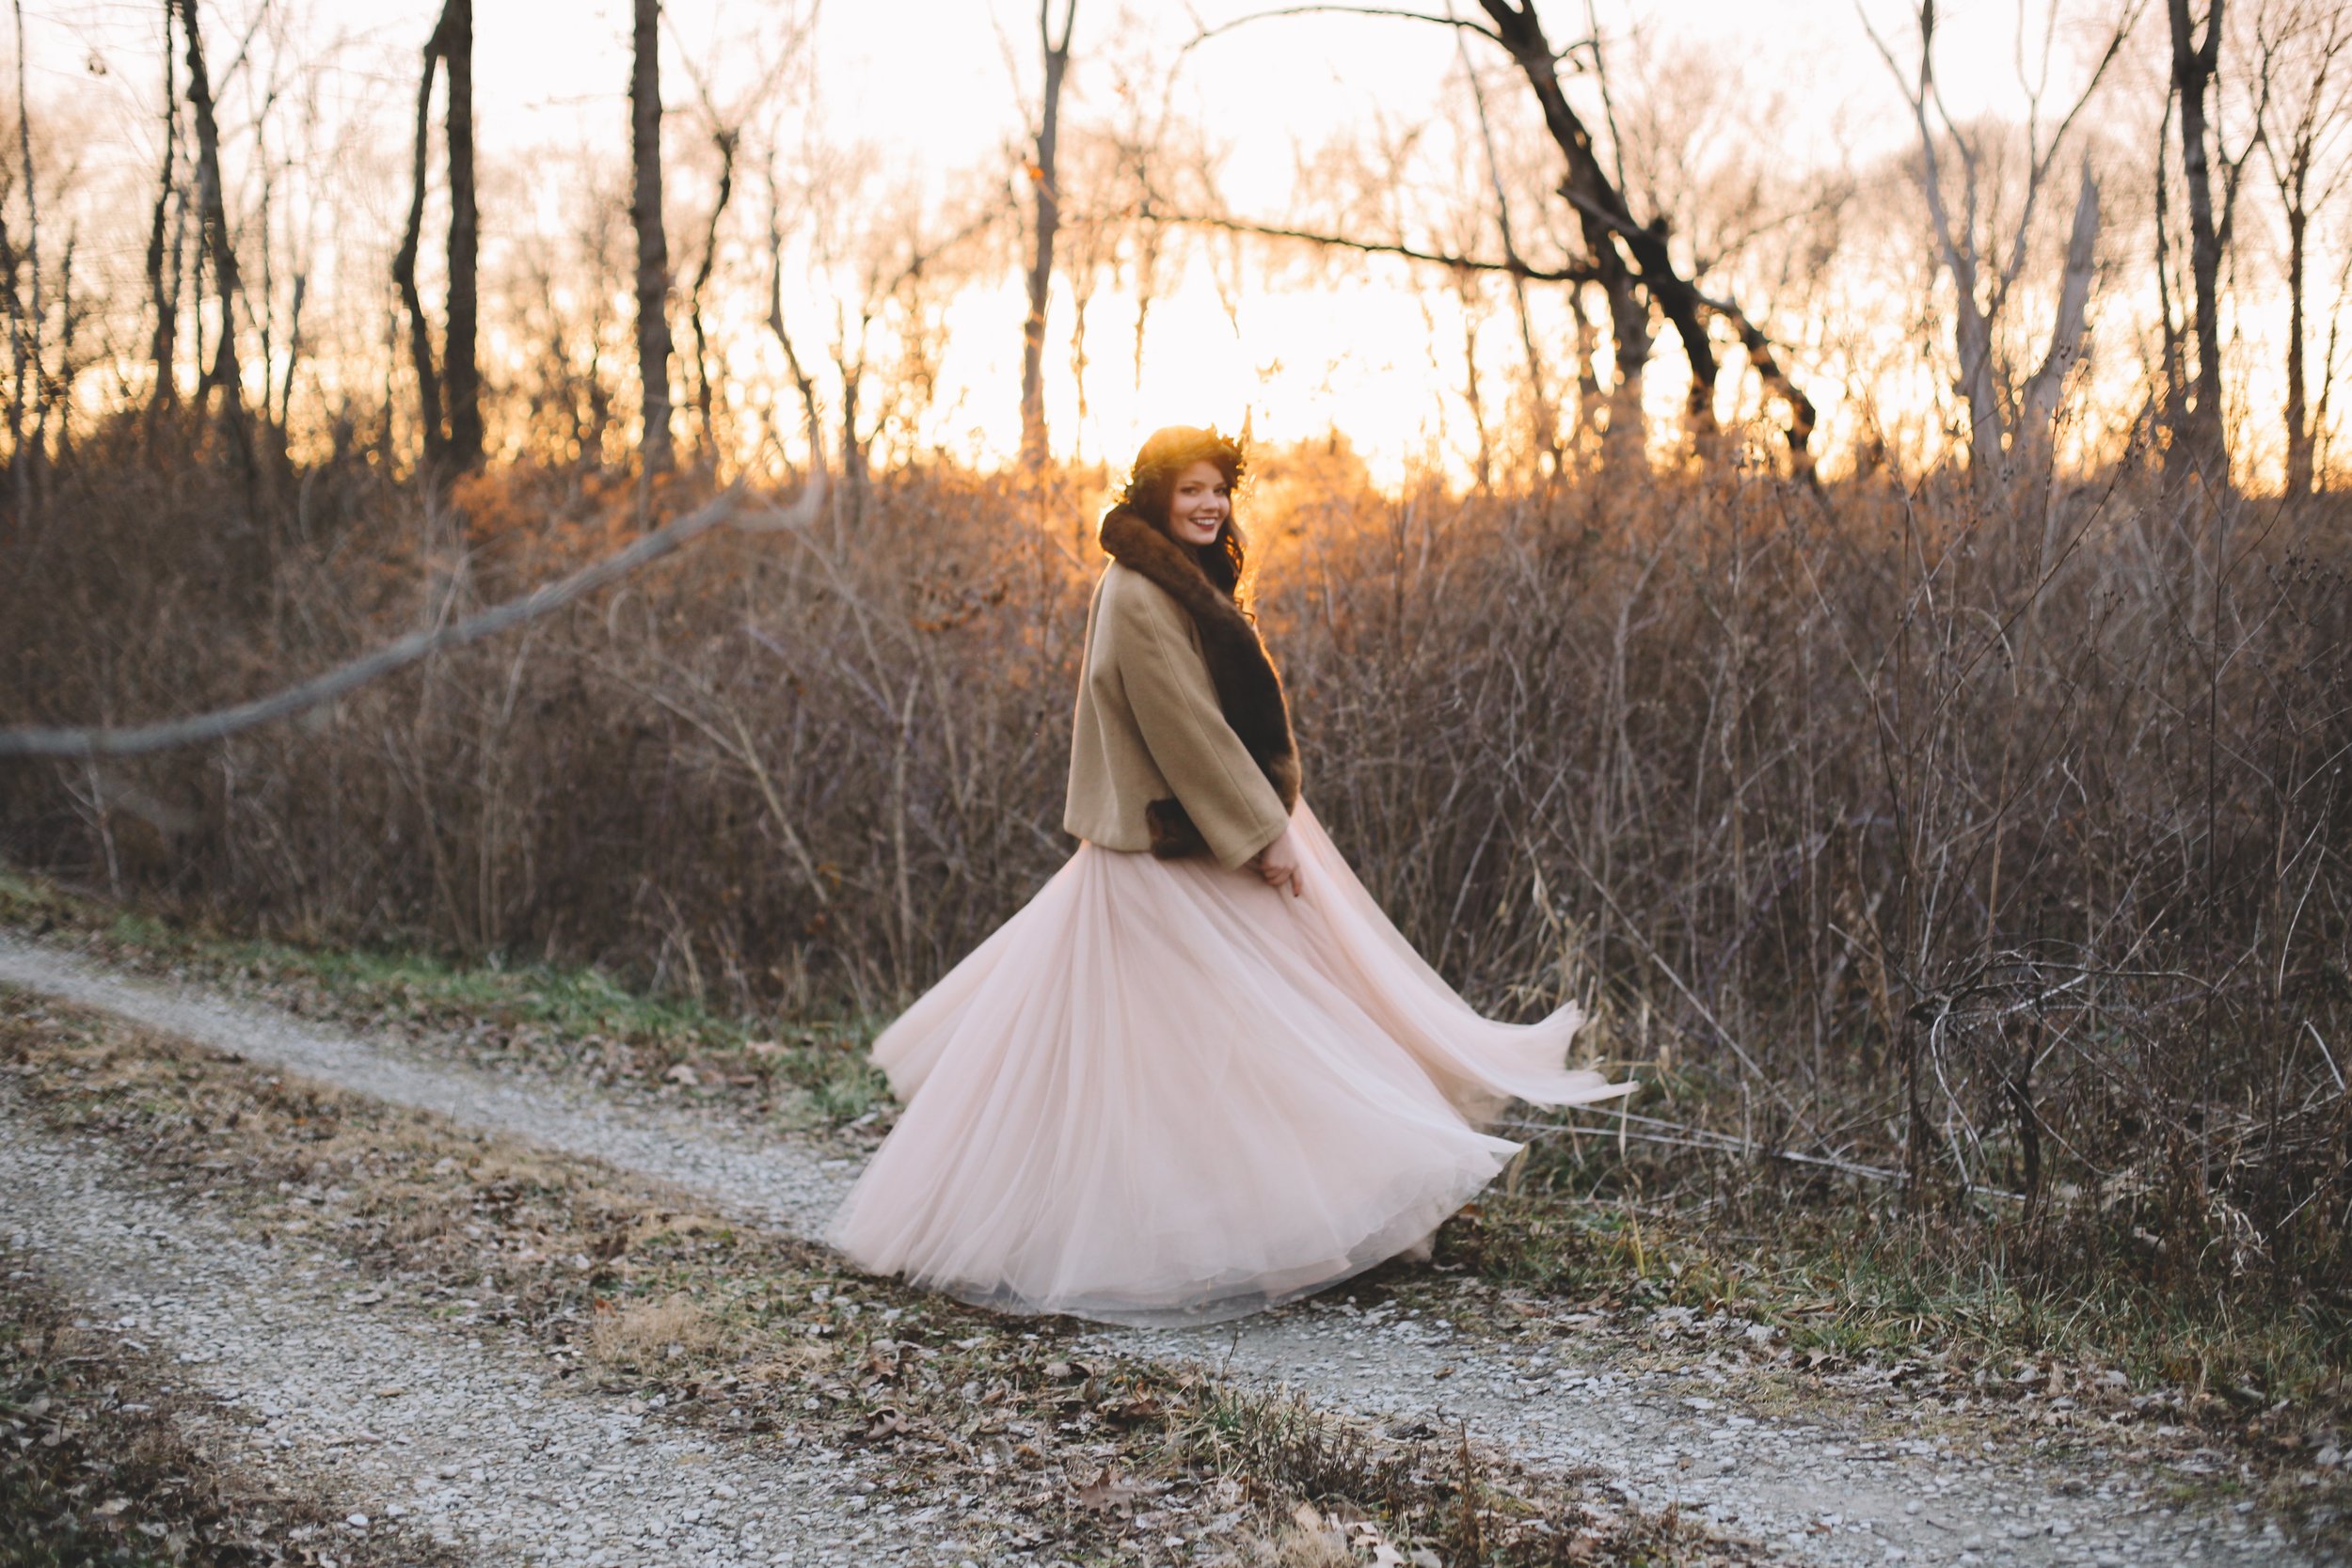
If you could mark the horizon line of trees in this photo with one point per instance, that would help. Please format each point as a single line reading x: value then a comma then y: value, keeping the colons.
x: 1601, y: 210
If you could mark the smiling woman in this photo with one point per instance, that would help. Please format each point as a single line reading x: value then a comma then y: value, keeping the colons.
x: 1199, y: 1073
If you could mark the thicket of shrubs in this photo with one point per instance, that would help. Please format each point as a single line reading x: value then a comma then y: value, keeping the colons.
x: 1992, y: 843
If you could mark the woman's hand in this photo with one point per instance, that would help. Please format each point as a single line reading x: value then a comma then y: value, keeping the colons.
x: 1277, y: 863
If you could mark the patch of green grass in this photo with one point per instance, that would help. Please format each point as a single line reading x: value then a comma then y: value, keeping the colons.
x: 582, y: 1020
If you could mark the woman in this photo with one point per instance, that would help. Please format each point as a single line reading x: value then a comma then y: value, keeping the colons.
x: 1199, y: 1073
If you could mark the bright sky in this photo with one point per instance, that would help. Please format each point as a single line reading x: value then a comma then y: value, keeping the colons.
x: 937, y: 87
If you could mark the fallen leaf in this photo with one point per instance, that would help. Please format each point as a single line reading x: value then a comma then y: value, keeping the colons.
x: 683, y: 1073
x: 1108, y: 1490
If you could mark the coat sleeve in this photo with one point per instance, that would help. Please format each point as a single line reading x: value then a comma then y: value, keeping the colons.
x: 1167, y: 686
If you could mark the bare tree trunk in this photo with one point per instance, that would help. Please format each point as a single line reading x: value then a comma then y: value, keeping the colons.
x: 1473, y: 397
x: 1606, y: 222
x: 19, y: 387
x: 2323, y: 453
x: 2323, y: 43
x: 164, y: 345
x: 2298, y: 476
x: 2194, y: 65
x: 405, y: 265
x: 1033, y: 436
x: 462, y: 369
x: 2173, y: 418
x: 724, y: 140
x: 29, y: 341
x: 802, y: 381
x: 2029, y: 452
x: 224, y: 374
x: 1587, y: 344
x: 69, y: 369
x: 293, y: 348
x: 654, y: 346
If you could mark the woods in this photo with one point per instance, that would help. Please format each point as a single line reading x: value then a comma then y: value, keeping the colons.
x: 1865, y: 613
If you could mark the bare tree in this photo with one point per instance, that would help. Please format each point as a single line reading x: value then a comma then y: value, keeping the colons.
x: 465, y: 238
x: 219, y: 249
x: 2302, y: 50
x: 802, y: 381
x: 163, y: 344
x: 2195, y: 65
x: 1985, y: 268
x: 421, y: 355
x: 724, y: 123
x: 25, y: 321
x: 457, y: 446
x: 1048, y: 195
x: 1632, y: 260
x: 1602, y: 219
x: 653, y: 252
x: 723, y: 139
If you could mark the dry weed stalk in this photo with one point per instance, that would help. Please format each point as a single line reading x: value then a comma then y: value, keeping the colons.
x: 1998, y: 843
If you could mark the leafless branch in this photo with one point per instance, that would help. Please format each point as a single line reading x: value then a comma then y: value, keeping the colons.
x: 200, y: 728
x: 1207, y: 33
x: 1575, y: 273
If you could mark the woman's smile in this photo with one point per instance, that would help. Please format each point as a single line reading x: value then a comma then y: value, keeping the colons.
x: 1198, y: 503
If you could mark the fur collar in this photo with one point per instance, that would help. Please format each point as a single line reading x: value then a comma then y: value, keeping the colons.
x: 1248, y: 689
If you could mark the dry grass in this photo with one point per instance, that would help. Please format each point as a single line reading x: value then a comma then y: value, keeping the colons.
x: 643, y: 1334
x: 1996, y: 849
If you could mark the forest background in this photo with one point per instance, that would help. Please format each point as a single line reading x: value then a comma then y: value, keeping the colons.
x: 1819, y: 534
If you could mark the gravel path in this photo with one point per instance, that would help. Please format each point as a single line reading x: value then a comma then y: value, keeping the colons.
x: 784, y: 1183
x: 1815, y: 1492
x: 1802, y: 1487
x: 423, y: 1427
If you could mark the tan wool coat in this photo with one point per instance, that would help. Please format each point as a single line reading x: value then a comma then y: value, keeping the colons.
x: 1150, y: 732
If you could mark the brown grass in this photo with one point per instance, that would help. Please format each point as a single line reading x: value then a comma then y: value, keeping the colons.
x: 643, y: 1334
x: 1993, y: 848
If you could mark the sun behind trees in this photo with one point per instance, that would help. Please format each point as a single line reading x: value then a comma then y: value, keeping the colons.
x: 1912, y: 719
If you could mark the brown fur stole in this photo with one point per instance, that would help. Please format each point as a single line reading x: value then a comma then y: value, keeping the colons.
x: 1247, y: 690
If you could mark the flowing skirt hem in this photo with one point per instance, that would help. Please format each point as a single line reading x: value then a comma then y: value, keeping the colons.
x: 1194, y: 1304
x: 1164, y: 1093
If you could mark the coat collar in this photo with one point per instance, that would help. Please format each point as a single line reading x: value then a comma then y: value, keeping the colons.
x: 1249, y: 690
x: 1138, y: 545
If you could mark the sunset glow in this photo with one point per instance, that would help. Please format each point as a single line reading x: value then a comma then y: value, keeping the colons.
x: 916, y: 114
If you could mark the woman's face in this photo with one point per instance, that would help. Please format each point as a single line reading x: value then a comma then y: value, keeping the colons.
x: 1198, y: 503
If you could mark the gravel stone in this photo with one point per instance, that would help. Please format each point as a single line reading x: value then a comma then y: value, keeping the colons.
x: 1819, y: 1494
x: 482, y: 1450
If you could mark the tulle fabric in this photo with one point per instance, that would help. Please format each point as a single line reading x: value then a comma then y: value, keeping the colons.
x: 1164, y: 1092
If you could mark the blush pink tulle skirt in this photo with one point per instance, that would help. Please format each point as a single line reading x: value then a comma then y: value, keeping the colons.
x: 1164, y: 1093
